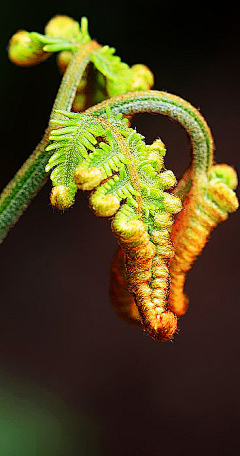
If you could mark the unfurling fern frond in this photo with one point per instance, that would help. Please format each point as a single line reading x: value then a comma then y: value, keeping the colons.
x: 98, y: 152
x: 62, y: 33
x: 129, y: 184
x: 108, y: 64
x: 120, y: 78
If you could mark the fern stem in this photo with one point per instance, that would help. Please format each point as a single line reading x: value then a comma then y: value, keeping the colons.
x: 72, y: 76
x: 31, y: 177
x: 175, y: 108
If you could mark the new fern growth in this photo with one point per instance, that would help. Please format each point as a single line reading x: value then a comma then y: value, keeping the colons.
x: 130, y: 184
x: 160, y: 226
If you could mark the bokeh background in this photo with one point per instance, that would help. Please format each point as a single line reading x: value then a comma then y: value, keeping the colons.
x: 74, y: 379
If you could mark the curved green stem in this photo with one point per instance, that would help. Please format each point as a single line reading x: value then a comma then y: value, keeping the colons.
x: 25, y: 185
x: 175, y: 108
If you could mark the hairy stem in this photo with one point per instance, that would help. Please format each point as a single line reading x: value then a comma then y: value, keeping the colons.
x: 175, y: 108
x: 25, y: 185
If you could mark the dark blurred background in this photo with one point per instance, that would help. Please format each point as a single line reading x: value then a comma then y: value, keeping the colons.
x: 74, y: 379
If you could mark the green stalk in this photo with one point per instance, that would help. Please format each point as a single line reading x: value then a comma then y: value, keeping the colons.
x: 31, y: 177
x: 175, y: 108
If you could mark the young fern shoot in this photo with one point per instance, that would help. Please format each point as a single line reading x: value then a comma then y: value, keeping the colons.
x: 161, y: 226
x: 130, y: 184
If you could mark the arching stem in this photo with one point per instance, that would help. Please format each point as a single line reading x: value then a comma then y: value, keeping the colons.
x: 175, y: 108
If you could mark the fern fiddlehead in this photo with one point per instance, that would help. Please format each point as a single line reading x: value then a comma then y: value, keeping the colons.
x: 129, y: 185
x: 206, y: 189
x: 99, y: 152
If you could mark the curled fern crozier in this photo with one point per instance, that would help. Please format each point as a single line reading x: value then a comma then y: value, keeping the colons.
x: 129, y: 184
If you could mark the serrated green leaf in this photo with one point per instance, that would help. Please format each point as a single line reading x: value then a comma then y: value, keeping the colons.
x: 71, y: 144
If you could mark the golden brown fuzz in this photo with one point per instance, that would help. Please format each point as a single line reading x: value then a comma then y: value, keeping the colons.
x: 211, y: 206
x: 148, y: 277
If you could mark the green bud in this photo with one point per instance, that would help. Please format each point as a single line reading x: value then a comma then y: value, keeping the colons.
x: 24, y: 50
x: 60, y: 197
x: 142, y: 78
x: 63, y: 27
